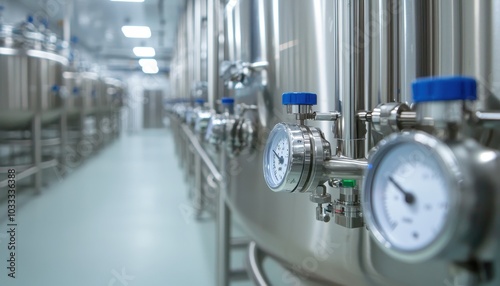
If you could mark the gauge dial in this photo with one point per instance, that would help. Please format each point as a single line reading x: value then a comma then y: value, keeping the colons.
x: 293, y: 158
x: 410, y: 197
x: 276, y: 157
x: 279, y: 164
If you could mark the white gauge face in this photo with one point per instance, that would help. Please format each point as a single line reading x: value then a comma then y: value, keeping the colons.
x: 276, y: 158
x: 409, y: 197
x: 279, y: 163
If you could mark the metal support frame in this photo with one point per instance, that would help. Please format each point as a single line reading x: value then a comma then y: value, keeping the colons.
x: 255, y: 259
x: 34, y: 170
x: 225, y: 242
x: 36, y: 136
x: 189, y: 147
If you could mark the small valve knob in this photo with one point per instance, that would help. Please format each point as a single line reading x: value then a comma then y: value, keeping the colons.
x: 200, y: 101
x: 444, y: 89
x: 228, y: 104
x: 300, y: 104
x: 441, y: 103
x: 299, y: 98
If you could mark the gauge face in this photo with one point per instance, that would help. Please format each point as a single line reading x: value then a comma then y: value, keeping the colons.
x: 277, y: 157
x: 279, y: 163
x: 409, y: 195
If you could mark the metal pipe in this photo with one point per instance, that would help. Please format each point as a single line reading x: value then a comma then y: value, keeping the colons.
x: 190, y: 70
x: 342, y: 167
x: 351, y: 134
x: 488, y: 116
x: 223, y: 230
x: 254, y: 265
x: 213, y: 9
x: 68, y: 15
x: 387, y: 51
x: 197, y: 41
x: 36, y: 136
x: 407, y: 119
x: 326, y: 116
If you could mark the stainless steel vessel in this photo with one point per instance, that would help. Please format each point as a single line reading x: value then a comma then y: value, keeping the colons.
x: 74, y: 96
x: 90, y: 92
x: 355, y: 55
x: 33, y: 76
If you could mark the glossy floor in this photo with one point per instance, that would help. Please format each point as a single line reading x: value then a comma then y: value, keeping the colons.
x: 115, y: 221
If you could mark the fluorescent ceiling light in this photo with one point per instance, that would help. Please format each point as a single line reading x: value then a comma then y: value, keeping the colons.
x: 146, y: 52
x: 148, y: 63
x: 143, y: 32
x: 150, y: 69
x: 127, y: 1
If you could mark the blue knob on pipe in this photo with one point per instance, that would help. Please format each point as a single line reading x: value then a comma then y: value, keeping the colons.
x: 299, y: 98
x: 444, y: 89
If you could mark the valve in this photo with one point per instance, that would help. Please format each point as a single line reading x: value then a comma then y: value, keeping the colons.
x: 347, y: 208
x: 231, y: 129
x: 301, y: 103
x: 237, y: 74
x: 443, y: 103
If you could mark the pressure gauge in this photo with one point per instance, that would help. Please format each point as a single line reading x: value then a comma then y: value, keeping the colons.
x: 419, y: 200
x: 293, y: 158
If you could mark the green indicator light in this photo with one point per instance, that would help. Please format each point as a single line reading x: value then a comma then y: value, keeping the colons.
x: 348, y: 183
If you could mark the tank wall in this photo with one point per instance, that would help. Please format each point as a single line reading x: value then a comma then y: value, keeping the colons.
x: 354, y: 55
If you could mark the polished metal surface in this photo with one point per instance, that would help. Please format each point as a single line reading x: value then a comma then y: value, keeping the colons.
x: 355, y: 55
x: 90, y: 92
x: 74, y: 97
x: 28, y: 86
x: 306, y: 55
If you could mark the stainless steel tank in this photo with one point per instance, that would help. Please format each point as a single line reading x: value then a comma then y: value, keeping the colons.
x: 354, y: 55
x: 32, y: 77
x: 74, y: 96
x: 90, y: 92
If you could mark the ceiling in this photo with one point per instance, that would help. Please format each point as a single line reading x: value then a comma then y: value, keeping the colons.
x: 97, y: 24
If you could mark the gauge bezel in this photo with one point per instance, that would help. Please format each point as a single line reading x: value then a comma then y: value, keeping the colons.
x: 459, y: 209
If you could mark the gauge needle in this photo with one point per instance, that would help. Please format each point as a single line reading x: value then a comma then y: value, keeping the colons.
x: 280, y: 158
x: 409, y: 197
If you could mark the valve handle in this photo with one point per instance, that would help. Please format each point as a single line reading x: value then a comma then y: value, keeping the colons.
x: 299, y: 98
x: 431, y: 89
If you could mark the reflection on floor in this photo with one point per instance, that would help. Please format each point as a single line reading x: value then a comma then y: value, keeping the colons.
x: 116, y: 221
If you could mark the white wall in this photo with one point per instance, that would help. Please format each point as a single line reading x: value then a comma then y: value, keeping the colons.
x: 137, y: 82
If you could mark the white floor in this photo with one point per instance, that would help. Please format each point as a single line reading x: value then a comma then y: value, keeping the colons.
x: 116, y: 221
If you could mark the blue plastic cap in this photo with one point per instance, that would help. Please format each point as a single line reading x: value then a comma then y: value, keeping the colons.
x: 55, y: 88
x: 44, y: 22
x: 200, y: 100
x: 30, y: 19
x: 227, y: 100
x: 299, y: 98
x: 444, y: 88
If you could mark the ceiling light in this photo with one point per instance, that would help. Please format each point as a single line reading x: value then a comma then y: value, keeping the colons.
x: 143, y: 32
x: 127, y: 1
x: 148, y: 62
x: 150, y: 69
x: 146, y: 52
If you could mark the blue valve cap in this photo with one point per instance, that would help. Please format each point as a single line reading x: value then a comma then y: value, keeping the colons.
x: 200, y: 101
x: 299, y: 98
x: 444, y: 89
x: 227, y: 100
